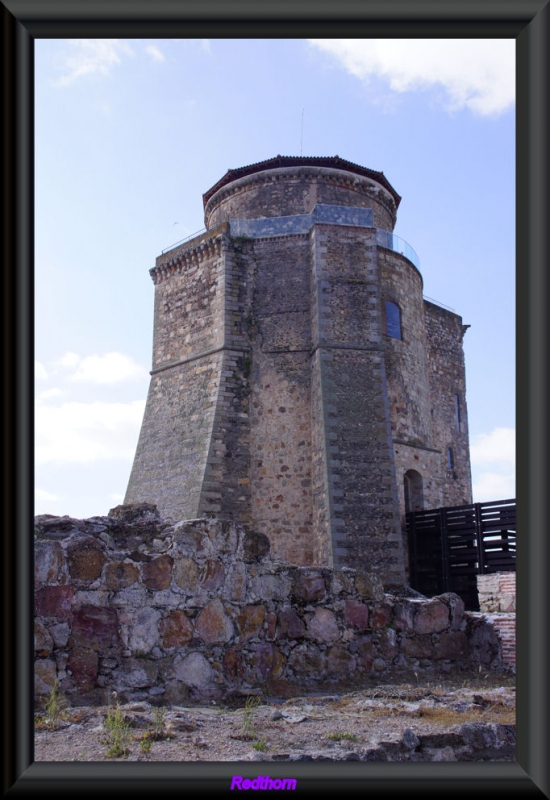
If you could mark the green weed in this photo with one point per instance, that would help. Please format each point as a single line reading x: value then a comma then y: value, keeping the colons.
x: 118, y: 730
x: 250, y: 706
x: 54, y: 706
x: 260, y: 745
x: 338, y: 737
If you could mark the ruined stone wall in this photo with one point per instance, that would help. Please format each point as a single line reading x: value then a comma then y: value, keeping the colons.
x: 175, y: 612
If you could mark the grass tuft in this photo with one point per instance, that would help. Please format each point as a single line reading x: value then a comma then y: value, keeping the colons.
x: 118, y: 730
x: 250, y: 706
x: 54, y: 708
x: 260, y: 745
x: 339, y: 737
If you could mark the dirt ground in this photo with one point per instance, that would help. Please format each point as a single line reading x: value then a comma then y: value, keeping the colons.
x: 463, y: 718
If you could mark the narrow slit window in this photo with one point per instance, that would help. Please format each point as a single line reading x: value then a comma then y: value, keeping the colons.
x: 450, y: 458
x: 393, y: 320
x: 457, y: 412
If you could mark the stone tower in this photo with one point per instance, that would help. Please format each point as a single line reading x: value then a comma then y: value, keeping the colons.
x: 301, y: 385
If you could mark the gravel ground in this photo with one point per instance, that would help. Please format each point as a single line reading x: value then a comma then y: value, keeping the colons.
x: 376, y: 723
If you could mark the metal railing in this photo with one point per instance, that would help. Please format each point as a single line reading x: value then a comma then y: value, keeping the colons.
x: 398, y: 245
x: 182, y: 241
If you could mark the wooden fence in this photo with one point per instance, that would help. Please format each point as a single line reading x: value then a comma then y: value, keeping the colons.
x: 448, y: 547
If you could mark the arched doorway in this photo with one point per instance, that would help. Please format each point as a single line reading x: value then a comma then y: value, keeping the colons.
x: 414, y: 494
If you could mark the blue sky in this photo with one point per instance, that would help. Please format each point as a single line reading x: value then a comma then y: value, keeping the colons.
x: 131, y: 133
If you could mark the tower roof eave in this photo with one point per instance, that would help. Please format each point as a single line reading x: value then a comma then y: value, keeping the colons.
x: 297, y: 161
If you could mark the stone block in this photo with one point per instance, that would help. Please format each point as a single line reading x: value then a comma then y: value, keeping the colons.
x: 265, y: 661
x: 307, y: 660
x: 212, y: 575
x: 322, y: 626
x: 96, y: 628
x: 381, y: 615
x: 45, y: 674
x: 186, y: 574
x: 250, y: 621
x: 83, y: 667
x: 49, y: 563
x: 431, y: 617
x: 193, y: 670
x: 54, y: 601
x: 404, y: 616
x: 452, y: 645
x: 120, y: 575
x: 85, y: 559
x: 369, y: 586
x: 308, y: 586
x: 176, y: 629
x: 142, y: 629
x: 213, y: 625
x: 157, y: 574
x: 356, y: 615
x: 43, y: 643
x: 417, y: 647
x: 340, y: 661
x: 290, y: 626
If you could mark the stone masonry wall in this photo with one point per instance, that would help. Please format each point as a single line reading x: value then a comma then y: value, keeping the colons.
x: 353, y: 423
x: 497, y: 598
x: 447, y: 378
x: 497, y: 592
x: 297, y: 190
x: 194, y: 610
x: 277, y: 399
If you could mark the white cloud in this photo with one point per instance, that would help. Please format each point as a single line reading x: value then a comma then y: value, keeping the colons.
x: 155, y: 53
x: 68, y: 360
x: 40, y: 373
x: 478, y: 74
x: 92, y: 56
x: 489, y: 486
x: 109, y: 368
x: 49, y: 393
x: 497, y: 447
x: 41, y: 496
x: 85, y: 432
x: 493, y: 465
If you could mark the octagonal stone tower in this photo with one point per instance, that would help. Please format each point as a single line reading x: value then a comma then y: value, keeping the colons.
x: 301, y: 385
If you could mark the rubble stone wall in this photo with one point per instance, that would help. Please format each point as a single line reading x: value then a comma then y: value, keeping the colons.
x: 497, y: 598
x: 169, y: 612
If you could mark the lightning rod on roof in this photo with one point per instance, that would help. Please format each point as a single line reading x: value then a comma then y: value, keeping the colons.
x: 302, y: 131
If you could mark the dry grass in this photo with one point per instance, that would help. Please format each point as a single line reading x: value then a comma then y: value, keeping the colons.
x: 449, y: 716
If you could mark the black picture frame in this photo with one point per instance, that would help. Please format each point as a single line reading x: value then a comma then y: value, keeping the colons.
x: 528, y: 22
